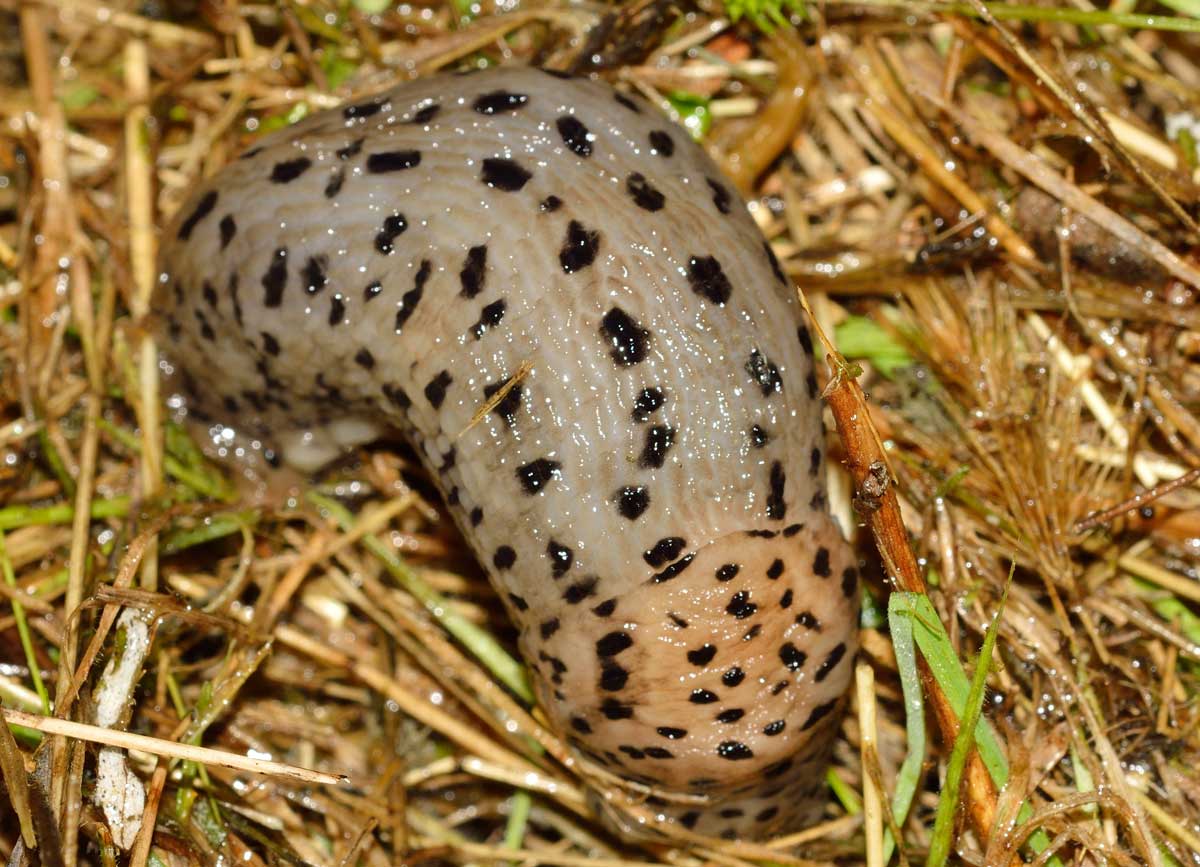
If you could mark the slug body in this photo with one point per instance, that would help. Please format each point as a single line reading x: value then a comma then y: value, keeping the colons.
x: 646, y: 488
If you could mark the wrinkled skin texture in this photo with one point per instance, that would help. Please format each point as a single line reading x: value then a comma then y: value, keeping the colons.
x: 648, y: 499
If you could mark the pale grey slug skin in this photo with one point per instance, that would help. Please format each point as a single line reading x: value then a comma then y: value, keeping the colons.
x: 649, y: 500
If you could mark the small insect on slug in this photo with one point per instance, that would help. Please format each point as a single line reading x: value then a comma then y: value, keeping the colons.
x: 648, y: 499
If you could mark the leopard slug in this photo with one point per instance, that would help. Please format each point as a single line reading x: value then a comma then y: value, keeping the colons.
x: 647, y: 497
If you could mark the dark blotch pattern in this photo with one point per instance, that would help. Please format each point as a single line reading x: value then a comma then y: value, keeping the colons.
x: 728, y: 572
x: 535, y: 474
x: 648, y: 401
x: 792, y: 656
x: 392, y: 161
x: 759, y: 437
x: 288, y: 170
x: 776, y: 508
x: 613, y: 677
x: 708, y: 280
x: 632, y: 502
x: 764, y: 372
x: 740, y: 605
x: 775, y: 569
x: 702, y: 656
x: 508, y: 406
x: 504, y: 174
x: 499, y: 101
x: 627, y: 338
x: 504, y: 557
x: 818, y: 713
x: 674, y: 569
x: 435, y: 391
x: 313, y: 274
x: 561, y: 558
x: 733, y: 676
x: 830, y: 662
x: 659, y: 440
x: 643, y: 193
x: 393, y: 227
x: 662, y: 142
x: 580, y: 590
x: 203, y: 208
x: 720, y: 196
x: 575, y: 135
x: 489, y: 317
x: 364, y: 359
x: 364, y: 110
x: 672, y: 733
x: 410, y: 299
x: 820, y: 564
x: 703, y: 696
x: 664, y: 551
x: 473, y: 271
x: 579, y: 248
x: 731, y: 715
x: 227, y: 228
x: 613, y: 643
x: 275, y: 279
x: 734, y: 751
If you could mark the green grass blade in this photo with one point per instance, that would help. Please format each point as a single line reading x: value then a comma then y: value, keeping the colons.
x: 943, y: 826
x: 18, y: 610
x: 909, y: 776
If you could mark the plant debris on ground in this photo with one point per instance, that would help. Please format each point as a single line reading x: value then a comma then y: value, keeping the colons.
x: 991, y: 210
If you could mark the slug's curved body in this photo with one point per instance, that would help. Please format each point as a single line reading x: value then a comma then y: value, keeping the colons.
x: 645, y: 489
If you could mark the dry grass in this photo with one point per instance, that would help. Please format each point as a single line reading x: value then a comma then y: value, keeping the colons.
x: 993, y: 215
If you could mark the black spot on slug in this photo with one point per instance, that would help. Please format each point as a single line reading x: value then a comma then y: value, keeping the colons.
x: 313, y: 274
x: 740, y: 605
x: 613, y: 643
x: 508, y: 406
x: 605, y: 608
x: 575, y: 135
x: 372, y: 290
x: 792, y: 656
x: 776, y: 508
x: 392, y: 161
x: 728, y: 572
x: 628, y: 339
x: 333, y: 186
x: 425, y: 113
x: 504, y: 557
x: 659, y: 440
x: 227, y: 228
x: 410, y: 299
x: 560, y: 558
x: 720, y: 195
x: 287, y: 171
x: 808, y: 620
x: 644, y: 195
x: 731, y: 715
x: 775, y: 569
x: 535, y: 474
x: 473, y: 271
x: 818, y: 713
x: 703, y: 696
x: 674, y: 569
x: 632, y: 502
x: 733, y: 676
x: 764, y: 372
x: 393, y: 227
x: 351, y: 150
x: 627, y: 102
x: 275, y: 279
x: 664, y: 551
x: 671, y: 733
x: 773, y: 260
x: 613, y: 677
x: 364, y: 109
x: 504, y: 174
x: 648, y: 401
x: 734, y: 751
x: 363, y: 358
x: 830, y: 662
x: 820, y: 564
x: 489, y: 317
x: 708, y: 280
x: 435, y: 391
x: 702, y: 656
x: 550, y: 204
x: 499, y: 101
x: 662, y: 143
x: 270, y: 344
x: 579, y: 248
x: 849, y: 581
x: 758, y: 437
x: 549, y: 627
x: 773, y: 728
